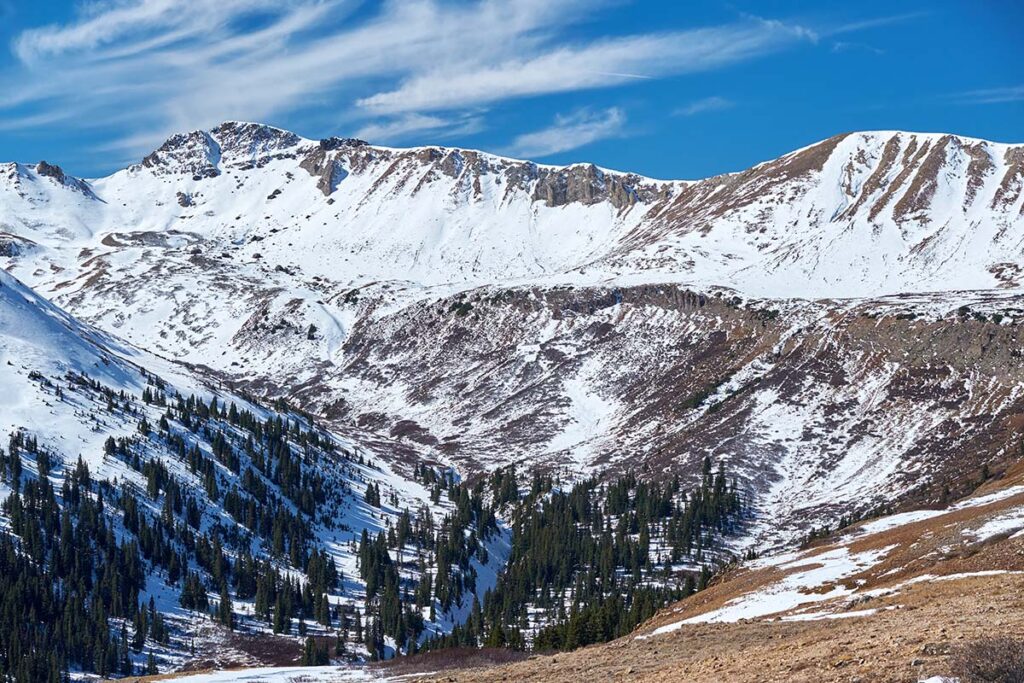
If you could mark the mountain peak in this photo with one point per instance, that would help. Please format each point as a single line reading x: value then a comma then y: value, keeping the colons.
x: 195, y: 153
x: 51, y: 171
x: 243, y: 139
x: 17, y: 173
x: 235, y: 144
x: 333, y: 143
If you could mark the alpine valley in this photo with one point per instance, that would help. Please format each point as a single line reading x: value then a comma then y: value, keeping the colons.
x: 271, y: 401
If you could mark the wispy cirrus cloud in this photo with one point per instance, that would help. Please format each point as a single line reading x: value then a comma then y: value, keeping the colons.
x: 706, y: 104
x: 848, y: 46
x: 876, y: 22
x: 405, y: 126
x: 1010, y: 93
x: 103, y: 23
x: 601, y: 63
x: 570, y: 132
x: 137, y: 70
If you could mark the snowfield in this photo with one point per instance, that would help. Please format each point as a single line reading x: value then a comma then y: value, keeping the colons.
x: 794, y: 590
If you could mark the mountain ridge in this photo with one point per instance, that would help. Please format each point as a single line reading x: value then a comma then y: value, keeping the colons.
x: 333, y: 141
x: 858, y: 214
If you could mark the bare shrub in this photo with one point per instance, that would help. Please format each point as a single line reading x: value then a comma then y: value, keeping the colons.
x: 989, y: 660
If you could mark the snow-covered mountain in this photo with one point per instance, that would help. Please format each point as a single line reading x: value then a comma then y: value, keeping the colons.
x: 804, y: 318
x: 861, y: 214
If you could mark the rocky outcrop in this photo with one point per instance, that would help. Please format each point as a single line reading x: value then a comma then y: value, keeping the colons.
x: 919, y: 193
x: 51, y: 171
x: 57, y: 175
x: 245, y: 146
x: 194, y: 154
x: 12, y: 246
x: 587, y: 184
x: 1011, y: 186
x: 242, y: 146
x: 324, y: 166
x: 252, y: 139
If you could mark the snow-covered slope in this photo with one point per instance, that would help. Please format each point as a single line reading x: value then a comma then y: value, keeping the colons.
x: 83, y: 395
x: 218, y: 233
x: 342, y: 209
x: 37, y: 341
x: 490, y: 310
x: 861, y: 214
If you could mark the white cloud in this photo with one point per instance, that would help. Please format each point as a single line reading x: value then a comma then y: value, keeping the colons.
x: 1012, y: 93
x: 403, y: 127
x: 107, y: 21
x: 222, y: 59
x: 570, y: 132
x: 876, y: 22
x: 138, y: 70
x: 706, y: 104
x: 846, y: 46
x: 602, y: 63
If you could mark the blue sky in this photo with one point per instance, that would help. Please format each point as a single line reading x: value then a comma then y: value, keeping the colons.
x: 667, y: 89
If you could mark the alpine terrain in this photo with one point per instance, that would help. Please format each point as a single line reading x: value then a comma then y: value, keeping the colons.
x: 281, y: 402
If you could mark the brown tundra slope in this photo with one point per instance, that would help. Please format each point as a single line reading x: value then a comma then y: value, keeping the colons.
x: 894, y: 598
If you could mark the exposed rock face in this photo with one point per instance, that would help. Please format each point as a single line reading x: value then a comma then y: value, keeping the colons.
x: 327, y: 170
x: 57, y: 175
x: 329, y: 144
x: 252, y: 140
x: 245, y: 146
x: 242, y: 146
x: 195, y: 154
x: 50, y: 171
x: 587, y: 184
x: 916, y: 200
x: 1012, y: 182
x: 12, y: 246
